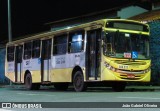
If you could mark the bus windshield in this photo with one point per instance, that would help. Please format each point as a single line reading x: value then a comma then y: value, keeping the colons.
x: 126, y: 45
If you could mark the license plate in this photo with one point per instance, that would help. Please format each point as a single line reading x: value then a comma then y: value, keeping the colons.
x: 130, y: 76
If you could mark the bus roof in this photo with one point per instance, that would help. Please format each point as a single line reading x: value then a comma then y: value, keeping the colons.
x: 67, y: 29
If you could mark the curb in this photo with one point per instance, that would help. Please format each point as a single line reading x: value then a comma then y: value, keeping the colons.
x: 128, y: 88
x: 12, y: 86
x: 142, y: 88
x: 2, y: 86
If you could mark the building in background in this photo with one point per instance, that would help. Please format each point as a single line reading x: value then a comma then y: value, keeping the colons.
x: 3, y: 79
x: 152, y: 17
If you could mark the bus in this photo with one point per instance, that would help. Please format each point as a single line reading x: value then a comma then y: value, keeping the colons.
x: 106, y: 51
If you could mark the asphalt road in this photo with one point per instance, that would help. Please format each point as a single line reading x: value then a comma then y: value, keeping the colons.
x: 49, y: 94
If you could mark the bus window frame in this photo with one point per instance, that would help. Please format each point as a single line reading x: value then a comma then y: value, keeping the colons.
x: 13, y: 54
x: 20, y: 54
x: 70, y: 40
x: 25, y: 58
x: 56, y: 44
x: 33, y: 49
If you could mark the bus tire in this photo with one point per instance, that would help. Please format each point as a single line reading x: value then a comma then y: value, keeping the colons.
x: 119, y: 86
x: 61, y: 86
x: 78, y: 82
x: 28, y: 83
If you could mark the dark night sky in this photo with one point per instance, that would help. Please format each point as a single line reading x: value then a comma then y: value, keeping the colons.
x: 29, y: 16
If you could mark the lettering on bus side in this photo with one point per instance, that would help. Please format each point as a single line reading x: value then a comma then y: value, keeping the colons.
x: 77, y: 56
x: 11, y: 67
x: 77, y: 59
x: 27, y: 63
x: 60, y: 60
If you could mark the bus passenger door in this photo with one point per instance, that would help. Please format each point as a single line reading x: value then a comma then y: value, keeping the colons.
x: 18, y: 63
x: 93, y: 54
x: 46, y: 60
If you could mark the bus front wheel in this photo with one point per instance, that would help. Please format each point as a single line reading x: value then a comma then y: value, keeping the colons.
x: 119, y: 86
x: 78, y: 82
x: 28, y: 83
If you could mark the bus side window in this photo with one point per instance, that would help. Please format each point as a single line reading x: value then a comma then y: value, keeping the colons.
x: 36, y: 49
x: 76, y: 42
x: 60, y: 44
x: 10, y: 53
x: 27, y: 50
x: 19, y: 53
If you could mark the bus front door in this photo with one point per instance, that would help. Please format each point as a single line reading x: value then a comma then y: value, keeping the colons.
x: 46, y: 60
x: 18, y: 63
x: 93, y: 54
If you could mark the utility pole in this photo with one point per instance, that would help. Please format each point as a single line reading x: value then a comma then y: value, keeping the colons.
x: 9, y: 28
x: 9, y: 22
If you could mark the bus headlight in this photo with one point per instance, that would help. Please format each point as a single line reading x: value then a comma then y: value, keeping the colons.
x: 147, y: 70
x: 112, y: 68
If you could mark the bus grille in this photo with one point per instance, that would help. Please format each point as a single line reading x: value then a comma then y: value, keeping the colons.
x: 135, y: 76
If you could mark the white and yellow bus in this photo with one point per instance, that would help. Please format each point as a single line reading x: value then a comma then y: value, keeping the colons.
x: 105, y: 51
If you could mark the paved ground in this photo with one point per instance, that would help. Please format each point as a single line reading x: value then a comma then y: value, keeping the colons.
x: 49, y: 94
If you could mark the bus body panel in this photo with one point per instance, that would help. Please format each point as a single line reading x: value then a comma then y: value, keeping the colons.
x: 34, y: 67
x: 62, y: 66
x: 108, y: 75
x: 68, y: 60
x: 133, y: 71
x: 61, y: 75
x: 36, y: 76
x: 10, y: 71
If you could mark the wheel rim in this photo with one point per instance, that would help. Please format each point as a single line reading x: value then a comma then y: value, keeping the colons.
x: 28, y: 80
x: 78, y: 82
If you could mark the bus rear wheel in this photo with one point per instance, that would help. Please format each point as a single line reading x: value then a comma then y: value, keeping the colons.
x: 28, y: 83
x: 78, y: 82
x: 61, y: 86
x: 119, y: 86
